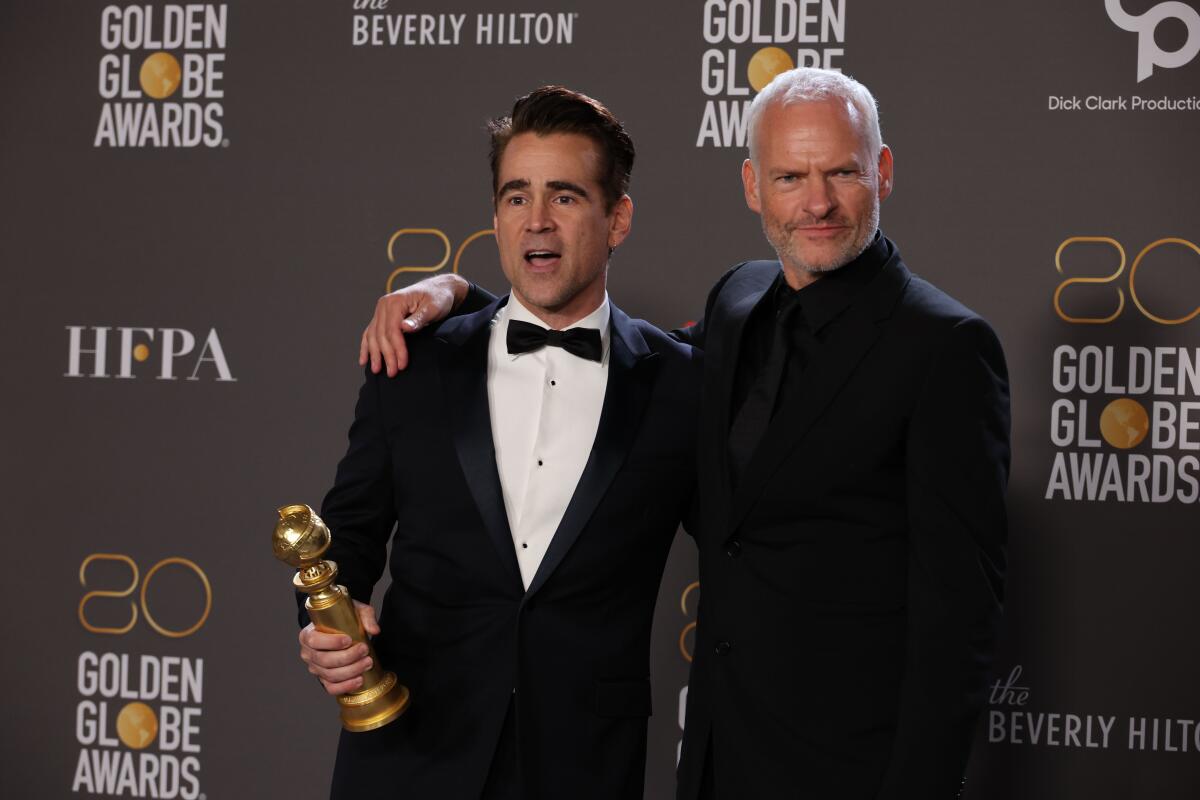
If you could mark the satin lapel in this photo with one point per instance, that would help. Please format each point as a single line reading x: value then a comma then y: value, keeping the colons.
x: 631, y: 370
x: 463, y: 367
x: 823, y: 379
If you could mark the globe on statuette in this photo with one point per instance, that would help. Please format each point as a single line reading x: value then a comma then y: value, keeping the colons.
x: 300, y: 537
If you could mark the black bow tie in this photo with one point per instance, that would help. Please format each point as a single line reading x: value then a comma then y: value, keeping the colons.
x: 524, y: 337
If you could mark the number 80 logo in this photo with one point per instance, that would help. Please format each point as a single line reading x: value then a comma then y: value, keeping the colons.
x: 142, y: 603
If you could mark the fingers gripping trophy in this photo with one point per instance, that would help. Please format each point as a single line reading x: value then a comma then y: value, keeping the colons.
x: 300, y: 539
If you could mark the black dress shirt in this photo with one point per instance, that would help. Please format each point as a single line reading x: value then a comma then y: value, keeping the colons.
x: 808, y: 313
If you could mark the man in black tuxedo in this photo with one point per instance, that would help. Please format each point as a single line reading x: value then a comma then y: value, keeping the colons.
x: 556, y: 440
x: 853, y: 460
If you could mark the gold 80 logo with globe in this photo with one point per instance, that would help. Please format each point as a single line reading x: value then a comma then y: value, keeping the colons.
x: 138, y: 718
x: 1125, y: 417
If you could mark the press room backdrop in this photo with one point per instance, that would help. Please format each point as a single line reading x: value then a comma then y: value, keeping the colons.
x: 201, y: 203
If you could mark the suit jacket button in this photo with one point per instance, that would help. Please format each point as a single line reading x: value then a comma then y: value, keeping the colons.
x: 723, y: 648
x: 733, y: 548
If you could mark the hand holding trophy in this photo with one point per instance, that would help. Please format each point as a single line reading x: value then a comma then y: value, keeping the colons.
x: 300, y: 539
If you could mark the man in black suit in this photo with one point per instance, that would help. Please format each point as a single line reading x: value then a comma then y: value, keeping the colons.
x: 556, y: 440
x: 853, y: 459
x: 854, y: 454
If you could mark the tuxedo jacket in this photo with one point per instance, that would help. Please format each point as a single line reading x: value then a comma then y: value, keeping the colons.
x: 571, y: 653
x: 850, y: 584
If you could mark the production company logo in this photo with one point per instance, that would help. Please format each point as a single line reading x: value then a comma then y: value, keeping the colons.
x: 375, y: 24
x: 1014, y: 719
x: 749, y: 42
x: 1125, y: 422
x: 1148, y: 56
x: 161, y: 77
x: 139, y: 716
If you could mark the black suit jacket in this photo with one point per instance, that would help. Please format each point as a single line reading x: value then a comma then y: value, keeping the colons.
x: 851, y: 582
x: 458, y: 627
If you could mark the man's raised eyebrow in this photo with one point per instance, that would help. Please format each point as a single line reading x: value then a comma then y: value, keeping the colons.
x: 513, y: 186
x: 567, y: 186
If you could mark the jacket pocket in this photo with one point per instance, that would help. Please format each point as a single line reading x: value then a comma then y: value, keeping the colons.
x: 623, y: 698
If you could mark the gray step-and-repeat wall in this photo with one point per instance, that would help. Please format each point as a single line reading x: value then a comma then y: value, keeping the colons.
x: 201, y: 203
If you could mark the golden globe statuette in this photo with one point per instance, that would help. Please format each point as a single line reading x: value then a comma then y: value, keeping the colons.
x: 300, y: 539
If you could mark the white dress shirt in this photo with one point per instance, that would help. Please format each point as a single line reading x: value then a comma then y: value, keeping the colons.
x: 545, y: 408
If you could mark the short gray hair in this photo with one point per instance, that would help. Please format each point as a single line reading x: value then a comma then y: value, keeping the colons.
x: 808, y: 84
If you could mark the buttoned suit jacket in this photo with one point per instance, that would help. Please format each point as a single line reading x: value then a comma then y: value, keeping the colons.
x: 458, y: 626
x: 851, y: 583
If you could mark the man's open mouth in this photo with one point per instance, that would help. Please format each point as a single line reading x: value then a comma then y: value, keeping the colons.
x: 542, y: 258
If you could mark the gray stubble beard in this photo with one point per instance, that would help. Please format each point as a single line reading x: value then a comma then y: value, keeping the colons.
x: 858, y: 250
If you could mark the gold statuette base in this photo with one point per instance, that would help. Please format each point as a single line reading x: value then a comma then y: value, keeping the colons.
x: 368, y: 709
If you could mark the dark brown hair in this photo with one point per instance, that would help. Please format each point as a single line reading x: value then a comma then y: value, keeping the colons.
x: 557, y: 109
